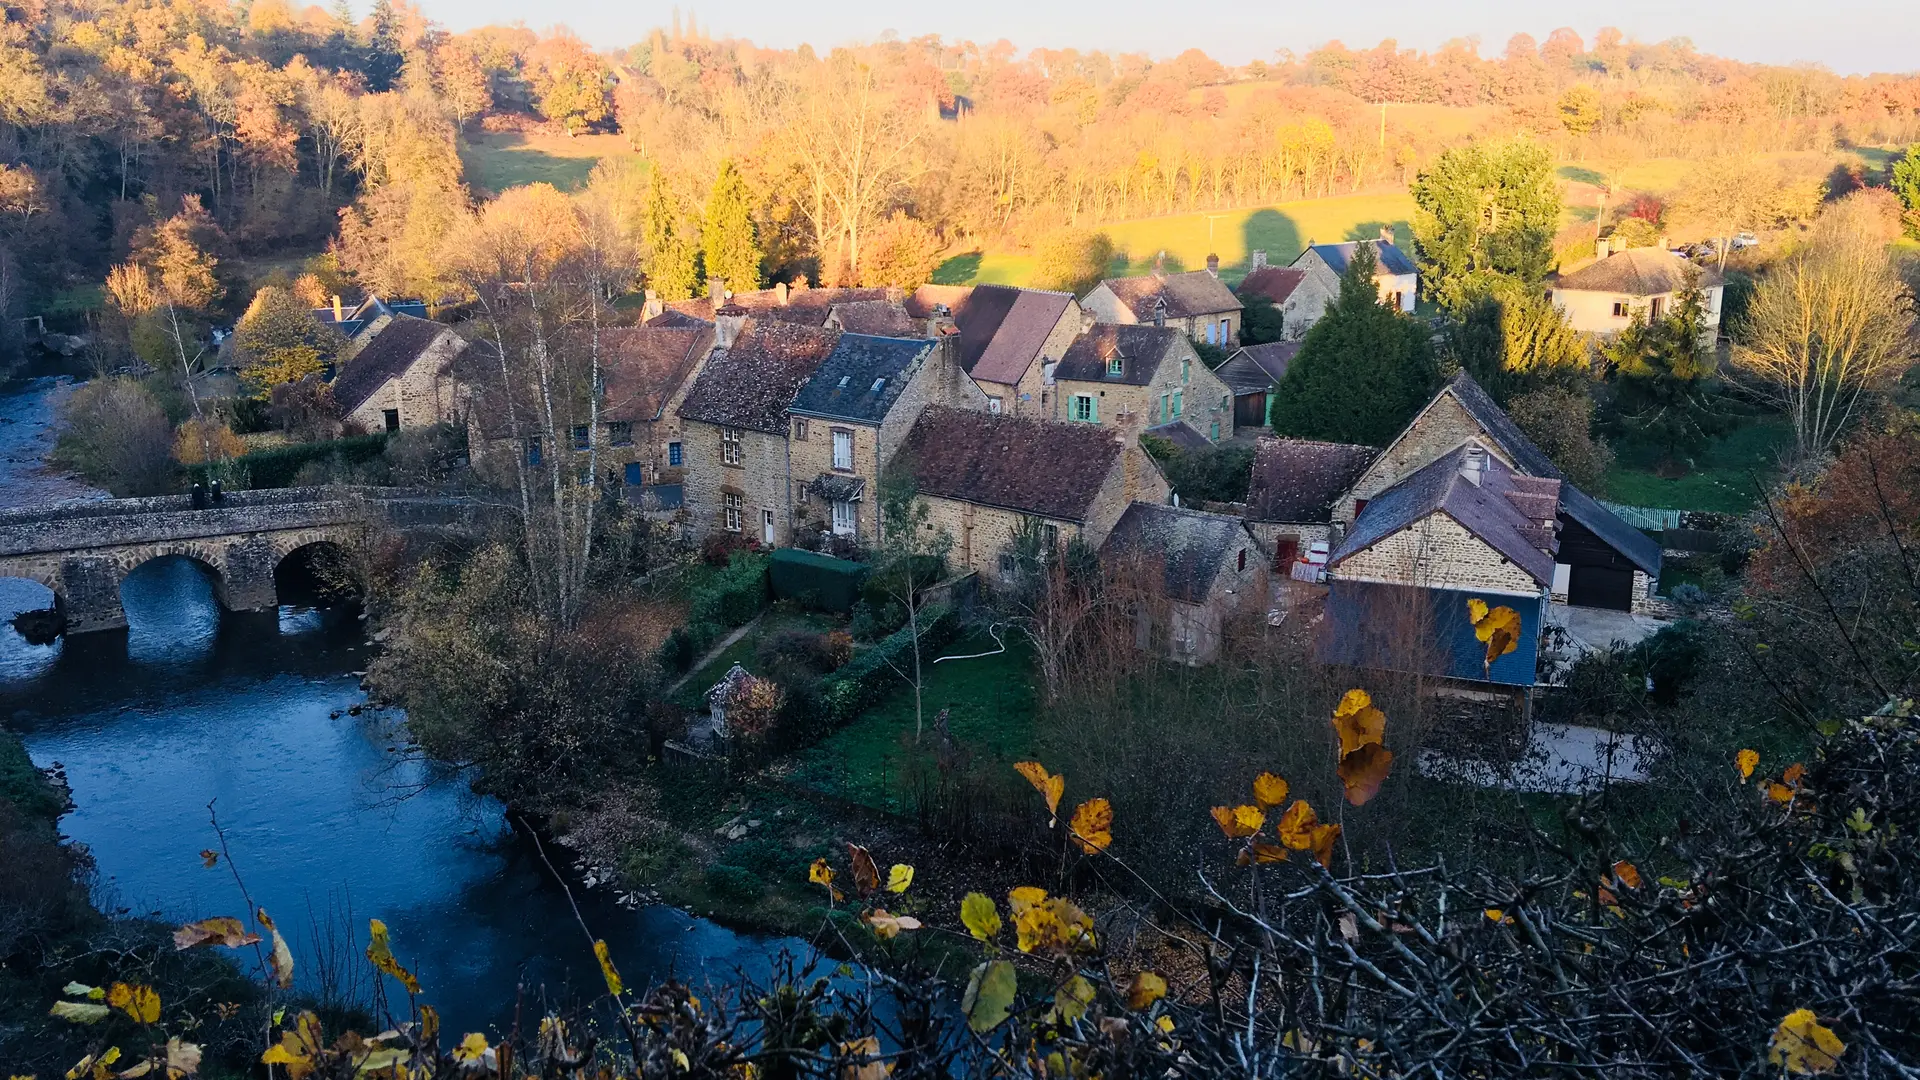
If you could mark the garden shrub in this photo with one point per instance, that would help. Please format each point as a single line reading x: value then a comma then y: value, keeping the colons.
x: 280, y: 466
x: 871, y: 675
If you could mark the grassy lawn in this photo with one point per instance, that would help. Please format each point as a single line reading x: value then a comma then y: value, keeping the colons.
x: 1721, y: 479
x: 497, y: 161
x: 990, y: 702
x: 692, y: 694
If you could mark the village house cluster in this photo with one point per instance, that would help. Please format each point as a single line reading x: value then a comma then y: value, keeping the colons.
x: 774, y: 415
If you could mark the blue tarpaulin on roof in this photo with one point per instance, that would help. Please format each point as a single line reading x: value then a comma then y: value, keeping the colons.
x: 1408, y: 628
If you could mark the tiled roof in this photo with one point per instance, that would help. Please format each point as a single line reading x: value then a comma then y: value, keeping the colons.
x: 1493, y: 510
x: 644, y: 366
x: 1141, y: 350
x: 806, y: 306
x: 1297, y: 481
x: 751, y: 384
x: 920, y: 302
x: 1254, y: 368
x: 1035, y: 467
x: 1390, y: 258
x: 387, y: 354
x: 1002, y: 330
x: 1646, y: 271
x: 1196, y: 292
x: 1275, y: 283
x: 1195, y: 545
x: 880, y: 318
x: 675, y: 318
x: 861, y: 378
x: 1181, y: 434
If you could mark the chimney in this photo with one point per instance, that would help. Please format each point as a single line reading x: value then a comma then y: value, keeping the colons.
x: 1213, y: 265
x: 1160, y: 311
x: 717, y: 290
x: 1386, y: 234
x: 339, y: 316
x: 1259, y: 260
x: 654, y: 307
x: 1474, y: 465
x: 727, y: 322
x: 780, y: 293
x: 896, y: 295
x: 1602, y: 246
x: 1666, y: 243
x: 1087, y: 320
x: 1160, y: 264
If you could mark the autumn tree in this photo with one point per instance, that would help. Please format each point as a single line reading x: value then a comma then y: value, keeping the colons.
x: 1072, y: 260
x: 1487, y: 215
x: 901, y: 252
x: 1362, y: 370
x: 570, y: 83
x: 114, y: 432
x: 413, y: 198
x: 855, y: 142
x: 1559, y: 418
x: 280, y: 341
x: 728, y: 245
x: 1828, y: 328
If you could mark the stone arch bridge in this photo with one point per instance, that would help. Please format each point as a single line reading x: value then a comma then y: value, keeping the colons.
x: 83, y: 551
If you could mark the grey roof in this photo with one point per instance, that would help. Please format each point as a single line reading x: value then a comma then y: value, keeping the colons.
x: 1491, y: 510
x: 386, y: 355
x: 1181, y: 434
x: 1645, y: 271
x: 1391, y: 259
x: 882, y: 318
x: 671, y: 318
x: 1141, y: 350
x: 1196, y: 292
x: 1275, y: 283
x: 861, y: 378
x: 1195, y: 545
x: 1297, y: 481
x: 1002, y: 329
x: 1251, y: 370
x: 1640, y: 549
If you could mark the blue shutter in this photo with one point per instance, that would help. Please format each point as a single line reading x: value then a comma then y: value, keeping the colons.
x: 633, y: 474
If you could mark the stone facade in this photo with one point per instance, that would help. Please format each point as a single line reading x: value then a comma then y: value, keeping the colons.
x: 1108, y: 308
x: 1033, y: 394
x: 1438, y: 553
x: 1204, y: 402
x: 755, y: 489
x: 1270, y: 533
x: 423, y: 395
x: 1439, y: 428
x: 1402, y: 290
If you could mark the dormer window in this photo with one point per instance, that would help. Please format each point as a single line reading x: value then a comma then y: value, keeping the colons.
x: 878, y: 384
x: 844, y: 379
x: 1116, y: 365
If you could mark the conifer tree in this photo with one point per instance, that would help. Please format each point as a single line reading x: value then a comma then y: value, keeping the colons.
x: 671, y: 270
x: 732, y: 250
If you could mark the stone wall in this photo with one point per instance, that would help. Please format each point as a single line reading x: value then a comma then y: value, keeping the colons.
x: 813, y: 456
x: 760, y: 482
x: 1438, y: 430
x: 1205, y: 400
x: 424, y: 394
x: 1437, y: 553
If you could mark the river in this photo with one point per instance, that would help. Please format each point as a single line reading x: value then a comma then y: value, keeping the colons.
x: 327, y: 823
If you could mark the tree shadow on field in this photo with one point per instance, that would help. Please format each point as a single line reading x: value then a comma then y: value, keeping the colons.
x: 1125, y: 263
x: 959, y: 270
x: 1370, y: 230
x: 1273, y: 232
x: 1582, y: 176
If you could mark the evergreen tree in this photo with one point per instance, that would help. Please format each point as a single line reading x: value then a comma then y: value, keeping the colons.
x: 672, y: 272
x: 1515, y: 342
x: 1487, y: 216
x: 385, y: 57
x: 1903, y: 175
x: 1661, y: 376
x: 1362, y: 371
x: 731, y: 249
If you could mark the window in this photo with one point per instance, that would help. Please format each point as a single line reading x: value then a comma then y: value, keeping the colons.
x: 731, y: 507
x: 842, y: 450
x: 633, y: 474
x: 1659, y: 308
x: 1226, y: 402
x: 1175, y: 414
x: 1116, y: 365
x: 1393, y: 300
x: 1243, y: 559
x: 533, y: 449
x: 1083, y: 408
x: 766, y: 527
x: 1213, y: 431
x: 675, y: 457
x: 1186, y: 370
x: 1226, y: 331
x: 844, y: 521
x: 800, y: 429
x: 1049, y: 536
x: 620, y: 433
x: 582, y: 437
x: 729, y: 446
x: 1210, y: 339
x: 1619, y: 309
x: 1359, y: 506
x: 993, y: 406
x: 392, y: 418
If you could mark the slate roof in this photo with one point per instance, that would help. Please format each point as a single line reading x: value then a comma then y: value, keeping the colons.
x: 1181, y: 434
x: 387, y: 354
x: 1275, y: 283
x: 861, y: 378
x: 751, y: 384
x: 806, y: 306
x: 1297, y: 481
x: 1484, y: 509
x: 1195, y: 545
x: 1644, y: 271
x: 1390, y: 258
x: 355, y: 319
x: 1002, y: 329
x: 1639, y: 549
x: 1141, y: 349
x: 1035, y: 467
x: 881, y: 318
x: 680, y: 319
x: 645, y: 365
x: 1196, y: 292
x: 1251, y: 370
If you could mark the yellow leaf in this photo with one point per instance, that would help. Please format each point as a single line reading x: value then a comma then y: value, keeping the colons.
x: 1260, y: 853
x: 1802, y: 1045
x: 209, y: 858
x: 1071, y: 1000
x: 471, y: 1049
x: 1022, y: 897
x: 1165, y: 1024
x: 1363, y: 771
x: 297, y: 1048
x: 1792, y: 776
x: 1352, y: 702
x: 1628, y: 874
x: 1049, y: 786
x: 869, y: 1065
x: 139, y: 1002
x: 1498, y: 627
x: 1323, y: 838
x: 607, y: 972
x: 282, y: 957
x: 821, y: 872
x: 222, y: 930
x: 1779, y: 793
x: 866, y: 876
x: 1145, y: 989
x: 79, y: 1012
x: 1092, y: 825
x: 899, y: 878
x: 1239, y: 821
x: 1357, y: 722
x: 1038, y: 927
x: 380, y: 952
x: 979, y: 916
x: 1499, y: 916
x: 1745, y: 761
x: 1296, y: 825
x: 680, y: 1058
x: 1476, y: 610
x: 887, y: 927
x: 1269, y: 790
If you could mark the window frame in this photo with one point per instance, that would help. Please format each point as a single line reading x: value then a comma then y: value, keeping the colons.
x: 582, y: 435
x: 732, y: 452
x: 1622, y: 309
x: 733, y: 510
x: 1116, y: 364
x: 620, y: 433
x: 799, y: 429
x: 840, y: 433
x: 1090, y: 414
x: 530, y: 450
x: 676, y: 455
x: 995, y: 405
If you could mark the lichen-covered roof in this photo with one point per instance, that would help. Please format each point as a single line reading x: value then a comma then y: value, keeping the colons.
x: 1297, y: 481
x: 1194, y: 545
x: 1275, y: 283
x: 861, y: 378
x: 805, y: 306
x: 751, y: 384
x: 388, y: 354
x: 1196, y: 292
x: 880, y: 318
x: 1140, y: 349
x: 1181, y: 434
x: 1050, y: 470
x: 645, y: 365
x: 1645, y: 271
x: 1002, y: 330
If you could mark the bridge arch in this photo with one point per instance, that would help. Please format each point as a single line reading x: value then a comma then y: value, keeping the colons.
x: 316, y: 572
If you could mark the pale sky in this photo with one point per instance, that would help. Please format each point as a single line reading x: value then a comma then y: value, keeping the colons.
x: 1850, y: 37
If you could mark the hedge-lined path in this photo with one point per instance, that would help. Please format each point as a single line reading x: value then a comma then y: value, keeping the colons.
x: 713, y: 654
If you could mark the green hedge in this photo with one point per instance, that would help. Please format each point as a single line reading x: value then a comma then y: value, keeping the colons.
x: 725, y: 600
x: 276, y: 466
x: 816, y: 581
x: 869, y: 677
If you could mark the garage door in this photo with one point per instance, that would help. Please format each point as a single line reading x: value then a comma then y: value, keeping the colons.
x: 1601, y: 587
x: 1250, y: 410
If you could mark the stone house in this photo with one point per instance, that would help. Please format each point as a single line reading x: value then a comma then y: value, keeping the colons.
x: 735, y: 426
x: 1253, y: 373
x: 359, y: 323
x: 1291, y: 495
x: 987, y: 479
x: 1009, y: 339
x: 401, y: 376
x: 1189, y: 571
x: 1301, y: 298
x: 1196, y: 303
x: 1394, y: 274
x: 1603, y: 296
x: 1605, y: 562
x: 850, y: 418
x: 648, y: 371
x: 1130, y: 378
